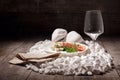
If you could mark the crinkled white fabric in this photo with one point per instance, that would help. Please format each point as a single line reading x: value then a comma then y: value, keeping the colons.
x: 40, y: 47
x: 98, y: 61
x: 73, y: 36
x: 59, y: 34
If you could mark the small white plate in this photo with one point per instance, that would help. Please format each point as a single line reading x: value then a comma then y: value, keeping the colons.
x: 65, y: 54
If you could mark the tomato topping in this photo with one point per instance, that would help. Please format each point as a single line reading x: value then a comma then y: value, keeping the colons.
x: 72, y: 47
x: 80, y: 48
x: 67, y: 44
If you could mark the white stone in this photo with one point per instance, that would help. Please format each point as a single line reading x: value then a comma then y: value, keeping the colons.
x: 97, y: 62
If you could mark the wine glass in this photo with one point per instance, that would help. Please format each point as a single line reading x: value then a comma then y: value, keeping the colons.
x: 93, y: 26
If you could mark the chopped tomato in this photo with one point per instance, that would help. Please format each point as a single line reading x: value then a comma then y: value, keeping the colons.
x: 67, y: 44
x: 80, y: 48
x: 74, y: 46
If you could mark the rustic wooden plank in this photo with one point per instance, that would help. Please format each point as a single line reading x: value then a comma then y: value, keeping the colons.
x: 19, y: 68
x: 14, y: 72
x: 79, y: 77
x: 68, y: 78
x: 118, y: 69
x: 112, y: 75
x: 108, y: 44
x: 113, y: 48
x: 98, y: 77
x: 83, y: 77
x: 59, y: 77
x: 6, y: 46
x: 48, y: 77
x: 35, y: 76
x: 112, y: 45
x: 89, y: 77
x: 117, y: 54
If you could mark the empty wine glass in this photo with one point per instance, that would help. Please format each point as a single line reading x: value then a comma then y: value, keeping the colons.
x: 93, y: 26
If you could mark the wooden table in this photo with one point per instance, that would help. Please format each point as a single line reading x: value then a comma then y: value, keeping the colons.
x: 8, y: 49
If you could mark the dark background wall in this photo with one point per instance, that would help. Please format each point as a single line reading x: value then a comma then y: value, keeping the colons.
x: 37, y: 17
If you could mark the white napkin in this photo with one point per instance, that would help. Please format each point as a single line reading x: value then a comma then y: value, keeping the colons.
x: 73, y: 36
x: 59, y: 34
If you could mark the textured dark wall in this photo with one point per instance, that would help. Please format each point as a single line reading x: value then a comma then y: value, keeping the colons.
x: 35, y: 17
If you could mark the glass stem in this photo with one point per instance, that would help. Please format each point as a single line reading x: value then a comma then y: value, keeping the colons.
x: 94, y: 41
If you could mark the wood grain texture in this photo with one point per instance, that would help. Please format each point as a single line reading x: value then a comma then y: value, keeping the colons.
x: 110, y: 45
x: 16, y: 72
x: 7, y: 47
x: 35, y: 76
x: 9, y: 70
x: 35, y: 17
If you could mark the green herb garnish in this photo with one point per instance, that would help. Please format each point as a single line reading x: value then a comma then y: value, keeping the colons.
x: 71, y: 49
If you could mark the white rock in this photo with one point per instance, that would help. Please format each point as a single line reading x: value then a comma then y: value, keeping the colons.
x: 46, y: 71
x: 93, y: 63
x: 89, y: 73
x: 34, y: 68
x: 41, y: 71
x: 83, y: 71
